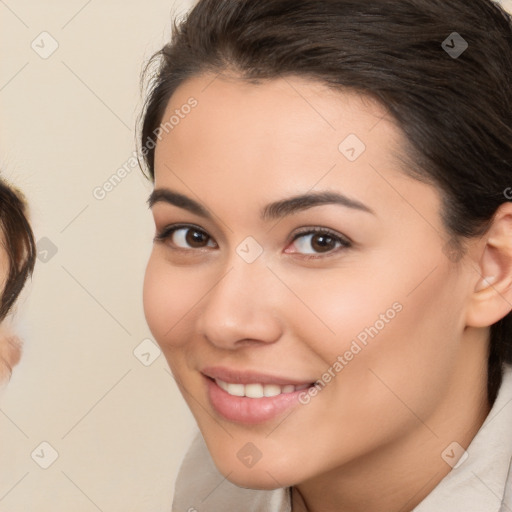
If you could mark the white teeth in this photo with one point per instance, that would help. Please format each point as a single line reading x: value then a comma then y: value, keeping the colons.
x: 257, y: 390
x: 253, y: 390
x: 221, y: 384
x: 236, y: 389
x: 274, y: 390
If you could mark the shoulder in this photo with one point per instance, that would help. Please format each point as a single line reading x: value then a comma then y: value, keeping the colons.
x: 482, y: 480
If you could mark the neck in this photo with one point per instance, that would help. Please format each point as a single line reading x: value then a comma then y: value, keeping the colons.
x: 398, y: 476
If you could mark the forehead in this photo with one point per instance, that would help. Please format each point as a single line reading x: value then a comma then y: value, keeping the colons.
x: 273, y: 115
x: 290, y: 134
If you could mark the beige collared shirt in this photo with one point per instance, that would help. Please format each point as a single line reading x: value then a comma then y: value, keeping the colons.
x: 481, y: 483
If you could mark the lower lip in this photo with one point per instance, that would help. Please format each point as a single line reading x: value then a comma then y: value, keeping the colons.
x: 242, y: 409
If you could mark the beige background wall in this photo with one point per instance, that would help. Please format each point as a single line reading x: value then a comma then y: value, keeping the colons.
x: 66, y: 125
x: 120, y: 428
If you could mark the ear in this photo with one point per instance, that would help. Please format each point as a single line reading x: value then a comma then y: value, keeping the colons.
x: 491, y: 299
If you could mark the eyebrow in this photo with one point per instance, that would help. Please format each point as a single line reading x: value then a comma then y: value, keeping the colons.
x: 271, y: 211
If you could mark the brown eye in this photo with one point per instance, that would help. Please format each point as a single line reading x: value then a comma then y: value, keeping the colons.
x: 319, y: 241
x: 186, y: 237
x: 323, y: 243
x: 195, y: 238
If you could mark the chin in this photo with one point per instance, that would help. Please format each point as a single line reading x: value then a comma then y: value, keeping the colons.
x: 263, y: 475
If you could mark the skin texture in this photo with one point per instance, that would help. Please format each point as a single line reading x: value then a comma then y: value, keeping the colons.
x: 372, y: 438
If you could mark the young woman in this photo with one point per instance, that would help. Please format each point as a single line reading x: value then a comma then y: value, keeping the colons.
x: 331, y: 276
x: 17, y: 257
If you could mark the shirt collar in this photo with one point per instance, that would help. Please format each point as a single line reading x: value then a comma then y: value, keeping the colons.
x: 480, y: 482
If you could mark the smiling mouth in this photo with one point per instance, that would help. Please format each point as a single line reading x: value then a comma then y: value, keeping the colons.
x: 251, y: 402
x: 257, y: 390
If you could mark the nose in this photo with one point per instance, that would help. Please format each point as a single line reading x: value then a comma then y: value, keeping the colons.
x: 242, y: 308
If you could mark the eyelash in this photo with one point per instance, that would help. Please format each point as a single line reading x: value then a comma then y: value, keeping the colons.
x: 344, y: 242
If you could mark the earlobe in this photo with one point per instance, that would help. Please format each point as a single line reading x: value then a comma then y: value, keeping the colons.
x: 491, y: 298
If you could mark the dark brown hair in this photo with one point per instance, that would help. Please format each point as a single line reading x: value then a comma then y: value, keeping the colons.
x: 18, y: 243
x: 454, y: 110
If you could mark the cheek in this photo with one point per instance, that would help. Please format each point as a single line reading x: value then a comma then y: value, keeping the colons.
x: 169, y: 296
x: 10, y: 352
x: 382, y: 303
x: 410, y: 360
x: 423, y: 345
x: 397, y: 323
x: 340, y: 307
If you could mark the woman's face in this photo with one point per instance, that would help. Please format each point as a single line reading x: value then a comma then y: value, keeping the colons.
x: 10, y: 344
x: 299, y: 253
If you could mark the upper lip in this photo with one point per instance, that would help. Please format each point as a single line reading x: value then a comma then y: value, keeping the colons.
x: 249, y: 377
